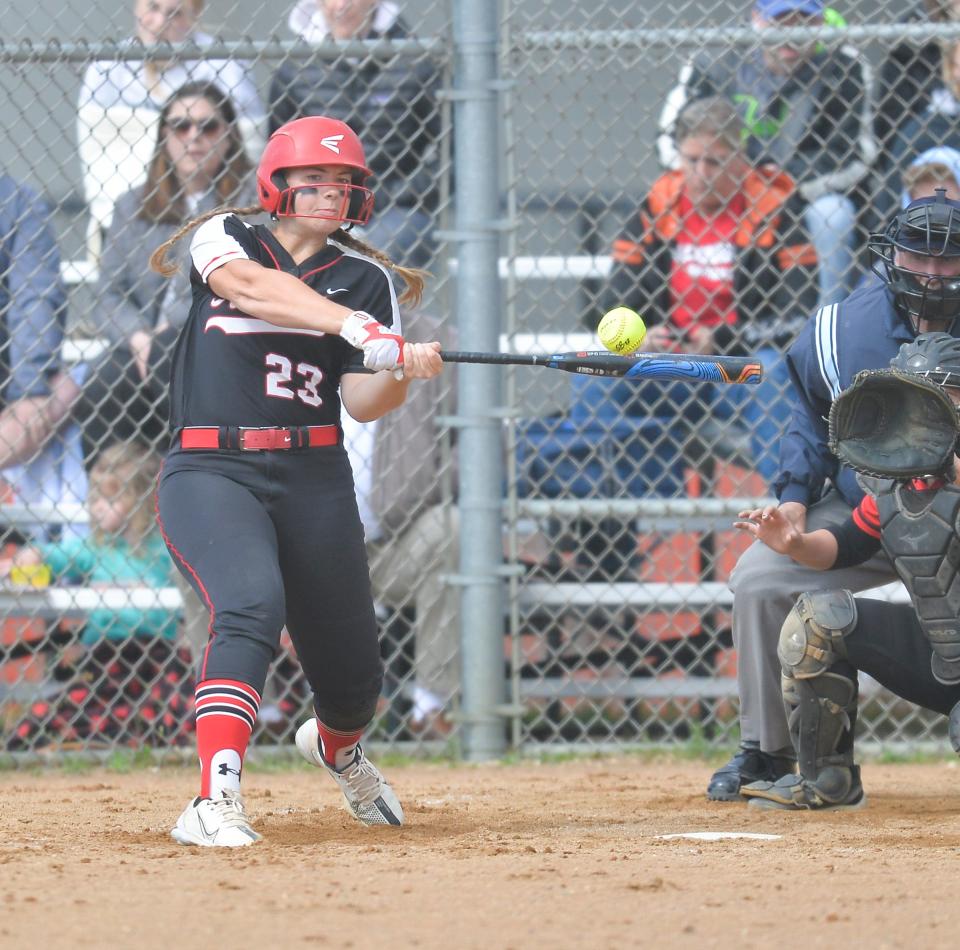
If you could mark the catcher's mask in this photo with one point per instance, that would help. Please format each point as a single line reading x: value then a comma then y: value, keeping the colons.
x: 929, y: 227
x: 935, y: 356
x: 306, y: 143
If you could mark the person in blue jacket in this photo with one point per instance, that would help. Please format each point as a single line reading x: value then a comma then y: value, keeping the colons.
x: 34, y: 396
x: 917, y: 263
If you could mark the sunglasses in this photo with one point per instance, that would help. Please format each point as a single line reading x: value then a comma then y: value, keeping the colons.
x: 203, y: 126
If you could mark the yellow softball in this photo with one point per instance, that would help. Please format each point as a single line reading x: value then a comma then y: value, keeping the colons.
x: 622, y: 330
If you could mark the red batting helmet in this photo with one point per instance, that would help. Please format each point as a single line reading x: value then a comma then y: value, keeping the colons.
x: 304, y: 143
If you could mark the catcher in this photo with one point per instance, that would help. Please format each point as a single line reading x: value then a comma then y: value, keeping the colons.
x: 901, y: 426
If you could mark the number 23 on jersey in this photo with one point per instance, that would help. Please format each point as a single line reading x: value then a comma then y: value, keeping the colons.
x: 286, y: 381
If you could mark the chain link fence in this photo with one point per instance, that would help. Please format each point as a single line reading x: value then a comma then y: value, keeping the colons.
x: 618, y: 497
x: 618, y: 125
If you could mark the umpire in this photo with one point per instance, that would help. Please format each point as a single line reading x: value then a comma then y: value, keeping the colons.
x: 917, y: 261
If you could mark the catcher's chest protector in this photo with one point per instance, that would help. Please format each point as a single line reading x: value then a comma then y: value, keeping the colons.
x: 920, y: 532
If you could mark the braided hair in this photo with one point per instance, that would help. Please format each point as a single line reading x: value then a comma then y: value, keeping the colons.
x: 413, y: 277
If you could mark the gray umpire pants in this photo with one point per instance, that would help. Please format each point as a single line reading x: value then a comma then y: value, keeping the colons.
x: 765, y: 587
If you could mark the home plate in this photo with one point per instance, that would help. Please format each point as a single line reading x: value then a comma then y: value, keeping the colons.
x: 720, y: 836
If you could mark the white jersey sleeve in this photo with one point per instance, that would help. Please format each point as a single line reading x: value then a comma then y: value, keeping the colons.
x: 216, y: 242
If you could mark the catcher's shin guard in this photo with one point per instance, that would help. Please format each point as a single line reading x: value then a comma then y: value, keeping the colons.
x: 820, y: 698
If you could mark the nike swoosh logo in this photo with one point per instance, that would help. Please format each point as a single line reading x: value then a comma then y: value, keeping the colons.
x: 209, y: 835
x: 330, y: 291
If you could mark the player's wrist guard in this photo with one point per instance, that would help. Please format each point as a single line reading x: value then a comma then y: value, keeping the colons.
x: 382, y: 349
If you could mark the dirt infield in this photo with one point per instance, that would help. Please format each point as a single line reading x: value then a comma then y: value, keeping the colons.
x: 498, y: 856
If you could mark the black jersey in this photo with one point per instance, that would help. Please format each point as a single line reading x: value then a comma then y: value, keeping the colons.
x: 231, y: 369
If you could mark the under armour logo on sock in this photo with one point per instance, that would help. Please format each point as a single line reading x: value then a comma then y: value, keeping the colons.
x: 224, y: 769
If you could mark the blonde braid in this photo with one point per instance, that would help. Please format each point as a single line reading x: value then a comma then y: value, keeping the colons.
x: 413, y: 277
x: 158, y: 259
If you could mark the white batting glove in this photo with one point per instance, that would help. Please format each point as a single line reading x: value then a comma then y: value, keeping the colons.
x: 381, y: 348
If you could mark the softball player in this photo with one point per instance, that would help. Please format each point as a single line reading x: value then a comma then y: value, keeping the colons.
x: 256, y: 498
x: 912, y: 649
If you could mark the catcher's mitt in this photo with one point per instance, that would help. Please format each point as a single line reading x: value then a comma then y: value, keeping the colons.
x: 894, y: 425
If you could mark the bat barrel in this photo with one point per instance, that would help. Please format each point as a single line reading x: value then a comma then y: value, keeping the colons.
x: 690, y: 367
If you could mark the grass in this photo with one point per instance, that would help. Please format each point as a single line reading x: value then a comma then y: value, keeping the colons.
x: 130, y: 760
x: 919, y: 756
x: 279, y: 760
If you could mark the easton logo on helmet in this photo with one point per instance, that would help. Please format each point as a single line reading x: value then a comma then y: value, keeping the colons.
x: 332, y: 142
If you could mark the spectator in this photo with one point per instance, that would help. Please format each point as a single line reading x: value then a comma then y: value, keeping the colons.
x: 124, y: 678
x: 35, y: 395
x: 198, y: 163
x: 939, y: 123
x: 806, y: 111
x: 935, y: 168
x: 392, y: 103
x: 120, y: 104
x: 717, y: 261
x: 412, y: 532
x: 908, y: 77
x: 918, y: 263
x: 31, y: 294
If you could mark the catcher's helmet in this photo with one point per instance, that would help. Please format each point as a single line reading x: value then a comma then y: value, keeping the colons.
x: 304, y: 143
x: 935, y: 356
x: 929, y: 227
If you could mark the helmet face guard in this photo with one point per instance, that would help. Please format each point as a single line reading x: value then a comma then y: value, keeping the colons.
x: 355, y: 204
x: 929, y: 227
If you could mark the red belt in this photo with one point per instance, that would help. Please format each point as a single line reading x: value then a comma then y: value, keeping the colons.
x: 240, y: 438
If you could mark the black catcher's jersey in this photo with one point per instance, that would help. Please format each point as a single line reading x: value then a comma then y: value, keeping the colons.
x: 231, y: 369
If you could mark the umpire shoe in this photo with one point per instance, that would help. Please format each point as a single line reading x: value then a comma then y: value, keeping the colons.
x: 368, y: 795
x: 219, y: 822
x: 836, y: 789
x: 748, y: 765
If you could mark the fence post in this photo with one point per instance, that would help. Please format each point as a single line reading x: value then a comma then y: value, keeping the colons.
x: 476, y: 241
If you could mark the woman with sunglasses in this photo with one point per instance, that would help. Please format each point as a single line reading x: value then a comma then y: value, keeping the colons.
x: 120, y: 102
x: 198, y: 163
x: 256, y: 500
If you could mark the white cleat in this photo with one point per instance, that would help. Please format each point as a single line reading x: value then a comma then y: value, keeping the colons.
x: 368, y: 795
x: 215, y: 823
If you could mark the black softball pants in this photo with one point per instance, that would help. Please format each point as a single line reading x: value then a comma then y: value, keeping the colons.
x: 889, y: 644
x: 274, y: 538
